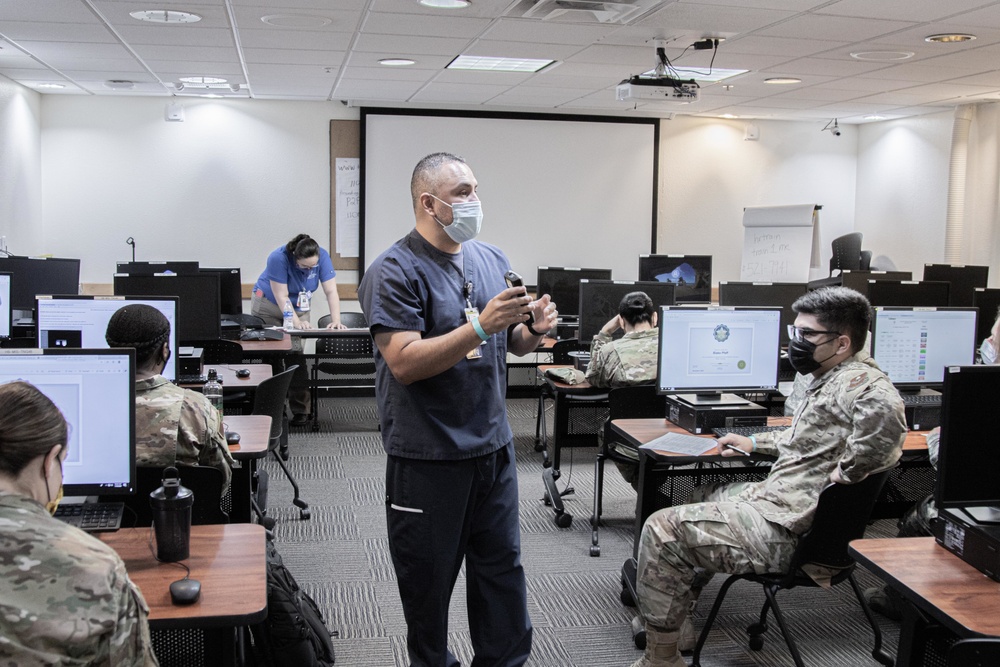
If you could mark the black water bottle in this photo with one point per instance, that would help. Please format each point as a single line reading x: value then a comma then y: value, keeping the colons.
x: 171, y: 505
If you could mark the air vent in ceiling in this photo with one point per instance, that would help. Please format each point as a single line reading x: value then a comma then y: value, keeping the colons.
x: 583, y: 11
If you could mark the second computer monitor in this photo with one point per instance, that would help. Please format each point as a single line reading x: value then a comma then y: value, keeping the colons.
x: 913, y: 346
x: 600, y: 299
x: 230, y: 289
x: 908, y: 293
x: 963, y: 280
x: 74, y: 321
x: 198, y: 308
x: 988, y: 303
x: 5, y: 309
x: 691, y: 274
x: 150, y: 268
x: 712, y: 350
x: 40, y: 275
x: 782, y: 295
x: 562, y: 283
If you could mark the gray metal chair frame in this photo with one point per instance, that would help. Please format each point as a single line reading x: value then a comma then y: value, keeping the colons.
x: 269, y: 399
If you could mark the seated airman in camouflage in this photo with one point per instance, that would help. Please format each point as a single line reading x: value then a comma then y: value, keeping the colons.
x: 65, y: 598
x: 172, y: 425
x: 850, y: 424
x: 628, y: 361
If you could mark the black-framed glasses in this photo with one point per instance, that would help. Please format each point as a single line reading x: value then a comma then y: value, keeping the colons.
x: 799, y: 334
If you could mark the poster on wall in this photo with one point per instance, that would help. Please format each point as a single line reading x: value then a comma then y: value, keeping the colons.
x: 780, y: 243
x: 348, y: 185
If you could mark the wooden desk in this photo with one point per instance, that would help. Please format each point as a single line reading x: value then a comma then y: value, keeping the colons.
x: 255, y: 434
x: 935, y: 582
x: 258, y: 347
x: 227, y: 373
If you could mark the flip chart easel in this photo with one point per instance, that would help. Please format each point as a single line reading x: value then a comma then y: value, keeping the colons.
x: 780, y: 243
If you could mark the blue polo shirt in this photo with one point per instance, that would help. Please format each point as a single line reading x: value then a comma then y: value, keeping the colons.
x: 460, y: 413
x: 281, y: 268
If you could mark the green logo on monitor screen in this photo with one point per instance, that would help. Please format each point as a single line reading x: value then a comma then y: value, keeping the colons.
x: 741, y: 365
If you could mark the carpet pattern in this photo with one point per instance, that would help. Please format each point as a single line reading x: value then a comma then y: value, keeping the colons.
x: 341, y: 558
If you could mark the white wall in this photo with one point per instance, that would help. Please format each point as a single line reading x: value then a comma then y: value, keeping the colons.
x: 20, y: 168
x: 902, y: 191
x: 709, y: 173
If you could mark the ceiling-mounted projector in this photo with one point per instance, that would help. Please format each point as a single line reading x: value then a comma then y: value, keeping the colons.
x: 658, y: 89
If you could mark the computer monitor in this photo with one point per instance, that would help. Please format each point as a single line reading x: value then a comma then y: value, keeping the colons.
x: 707, y: 351
x: 39, y: 275
x: 692, y: 274
x: 963, y: 279
x: 562, y: 283
x: 914, y: 345
x: 198, y: 309
x: 230, y: 289
x: 988, y: 303
x: 908, y: 293
x: 95, y: 391
x: 149, y: 268
x: 76, y: 321
x: 968, y: 474
x: 782, y: 295
x: 600, y: 299
x: 5, y: 309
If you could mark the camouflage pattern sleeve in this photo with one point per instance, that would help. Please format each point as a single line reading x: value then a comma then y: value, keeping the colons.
x: 629, y: 361
x: 200, y: 438
x: 933, y: 444
x: 131, y: 643
x: 596, y: 372
x: 879, y: 428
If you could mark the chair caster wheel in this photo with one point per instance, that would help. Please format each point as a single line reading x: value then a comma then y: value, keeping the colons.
x: 639, y: 633
x: 539, y: 446
x: 305, y: 515
x: 564, y: 520
x: 595, y: 551
x: 756, y: 643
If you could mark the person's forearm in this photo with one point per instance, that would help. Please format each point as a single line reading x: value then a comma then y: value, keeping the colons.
x: 332, y: 300
x: 280, y: 291
x: 523, y: 342
x: 422, y: 358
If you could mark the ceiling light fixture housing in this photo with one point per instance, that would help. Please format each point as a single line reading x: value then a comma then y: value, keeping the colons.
x: 782, y: 80
x: 165, y: 16
x: 296, y: 21
x: 493, y: 64
x: 203, y: 79
x: 952, y: 38
x: 52, y: 86
x: 119, y: 84
x: 882, y: 56
x: 396, y: 62
x: 446, y: 4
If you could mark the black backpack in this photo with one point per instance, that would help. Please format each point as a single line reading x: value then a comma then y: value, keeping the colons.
x: 294, y: 633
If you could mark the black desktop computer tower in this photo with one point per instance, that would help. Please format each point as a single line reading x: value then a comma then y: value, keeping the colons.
x: 976, y: 543
x: 703, y: 418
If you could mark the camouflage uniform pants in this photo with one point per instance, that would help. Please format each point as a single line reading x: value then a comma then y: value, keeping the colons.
x: 714, y: 532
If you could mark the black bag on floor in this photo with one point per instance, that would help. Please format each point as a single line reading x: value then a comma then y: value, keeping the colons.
x: 294, y: 633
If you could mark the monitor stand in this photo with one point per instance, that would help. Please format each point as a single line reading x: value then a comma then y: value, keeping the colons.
x: 983, y: 514
x: 713, y: 400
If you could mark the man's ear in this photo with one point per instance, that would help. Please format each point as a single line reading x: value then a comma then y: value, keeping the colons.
x: 655, y: 318
x: 844, y: 344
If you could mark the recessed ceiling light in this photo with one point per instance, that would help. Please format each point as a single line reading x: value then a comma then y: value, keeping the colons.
x: 165, y: 16
x: 728, y: 115
x: 716, y: 74
x: 950, y: 38
x: 882, y: 56
x: 446, y: 4
x: 489, y: 63
x: 782, y: 80
x: 119, y: 84
x: 296, y: 21
x: 50, y: 85
x: 874, y: 117
x: 396, y: 62
x: 202, y: 79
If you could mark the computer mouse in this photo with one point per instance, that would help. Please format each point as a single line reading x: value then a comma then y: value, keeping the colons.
x: 185, y: 591
x: 243, y: 373
x: 232, y: 438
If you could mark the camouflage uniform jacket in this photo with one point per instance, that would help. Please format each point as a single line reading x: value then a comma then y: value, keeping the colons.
x: 175, y: 425
x: 65, y: 598
x: 850, y: 420
x: 627, y: 361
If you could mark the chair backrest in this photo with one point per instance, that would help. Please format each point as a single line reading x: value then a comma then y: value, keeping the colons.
x: 866, y: 260
x: 219, y: 351
x: 974, y: 653
x: 562, y: 348
x: 269, y: 399
x: 847, y: 252
x: 841, y: 515
x: 204, y: 481
x: 349, y: 320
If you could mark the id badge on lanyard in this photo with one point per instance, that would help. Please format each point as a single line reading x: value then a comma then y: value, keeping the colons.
x: 470, y: 313
x: 303, y: 303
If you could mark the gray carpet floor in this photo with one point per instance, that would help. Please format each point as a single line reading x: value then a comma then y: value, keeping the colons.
x: 340, y: 557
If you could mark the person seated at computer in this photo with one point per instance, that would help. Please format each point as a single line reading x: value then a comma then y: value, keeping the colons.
x: 172, y: 425
x: 850, y: 425
x: 294, y: 271
x: 628, y: 361
x: 65, y: 597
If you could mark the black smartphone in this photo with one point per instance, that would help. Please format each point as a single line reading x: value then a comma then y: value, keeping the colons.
x: 513, y: 279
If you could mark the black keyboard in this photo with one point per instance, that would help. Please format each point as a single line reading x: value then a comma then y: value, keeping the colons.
x: 190, y: 379
x: 262, y: 334
x: 92, y: 517
x: 923, y: 400
x: 746, y: 431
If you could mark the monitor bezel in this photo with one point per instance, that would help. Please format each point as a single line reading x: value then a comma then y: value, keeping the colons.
x: 634, y: 285
x: 702, y: 391
x: 984, y: 328
x: 227, y: 271
x: 967, y: 274
x: 566, y: 309
x: 182, y: 267
x: 17, y: 292
x: 211, y: 324
x: 787, y: 314
x: 911, y: 284
x: 6, y: 308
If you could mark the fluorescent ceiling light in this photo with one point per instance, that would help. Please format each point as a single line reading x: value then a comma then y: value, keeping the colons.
x: 950, y: 38
x: 717, y: 73
x: 874, y: 117
x: 446, y: 4
x: 296, y: 21
x: 882, y: 56
x: 782, y: 80
x: 50, y: 85
x: 489, y: 63
x: 202, y: 79
x: 165, y: 16
x: 396, y: 62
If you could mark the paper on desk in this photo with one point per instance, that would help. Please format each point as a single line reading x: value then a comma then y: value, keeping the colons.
x: 679, y: 443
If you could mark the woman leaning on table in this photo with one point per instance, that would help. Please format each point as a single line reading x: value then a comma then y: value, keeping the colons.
x: 294, y: 271
x: 65, y: 597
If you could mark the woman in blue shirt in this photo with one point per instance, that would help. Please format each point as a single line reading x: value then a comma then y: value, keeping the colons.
x: 294, y: 271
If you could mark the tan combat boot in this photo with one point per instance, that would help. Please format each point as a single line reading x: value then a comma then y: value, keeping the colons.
x: 661, y: 649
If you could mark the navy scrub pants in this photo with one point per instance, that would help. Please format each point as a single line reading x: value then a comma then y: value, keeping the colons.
x: 439, y: 512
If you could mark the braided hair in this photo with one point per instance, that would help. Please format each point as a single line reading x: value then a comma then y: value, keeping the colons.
x: 140, y: 326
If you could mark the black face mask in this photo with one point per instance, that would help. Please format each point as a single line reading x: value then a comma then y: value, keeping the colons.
x: 800, y: 356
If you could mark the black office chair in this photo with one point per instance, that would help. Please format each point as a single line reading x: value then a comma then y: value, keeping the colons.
x: 846, y: 252
x: 866, y: 260
x: 841, y: 515
x: 343, y: 361
x: 205, y: 483
x: 349, y: 320
x: 974, y: 653
x: 623, y: 403
x: 219, y: 350
x: 269, y: 399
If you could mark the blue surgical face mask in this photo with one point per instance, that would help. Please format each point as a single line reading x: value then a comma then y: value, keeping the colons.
x: 466, y: 220
x: 988, y: 353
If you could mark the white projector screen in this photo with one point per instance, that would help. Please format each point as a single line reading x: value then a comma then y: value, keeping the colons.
x: 556, y: 190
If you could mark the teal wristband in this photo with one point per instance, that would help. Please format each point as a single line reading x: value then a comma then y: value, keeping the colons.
x: 479, y: 329
x: 753, y: 441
